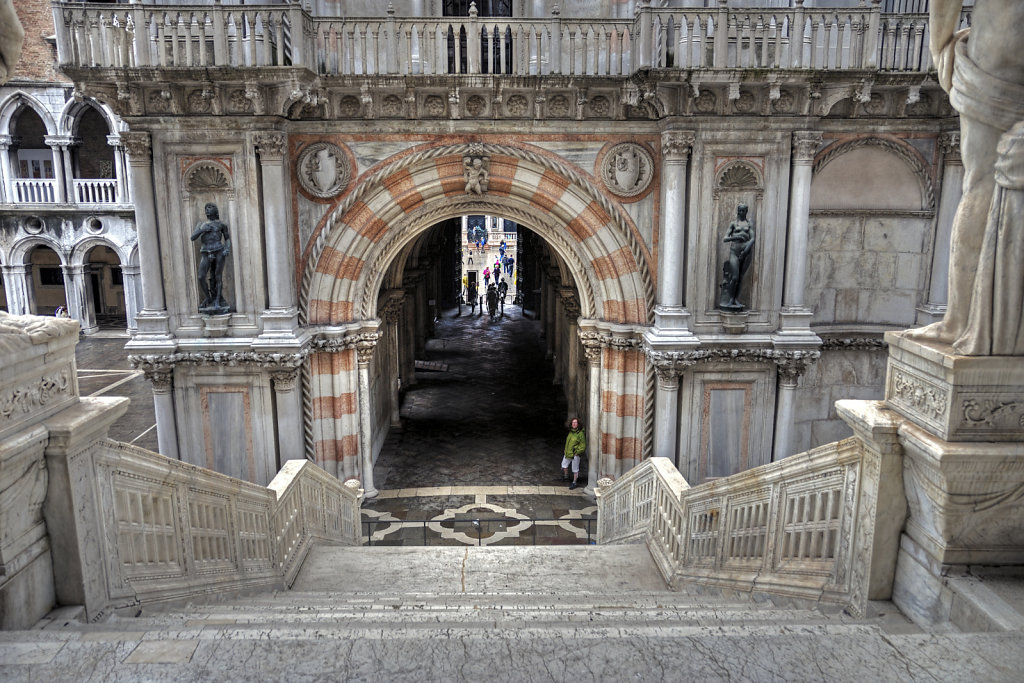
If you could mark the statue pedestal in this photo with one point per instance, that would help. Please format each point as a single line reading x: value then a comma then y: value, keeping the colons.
x: 958, y: 420
x: 734, y: 322
x: 216, y: 325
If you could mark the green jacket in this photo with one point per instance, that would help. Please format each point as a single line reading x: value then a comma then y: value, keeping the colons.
x: 575, y: 443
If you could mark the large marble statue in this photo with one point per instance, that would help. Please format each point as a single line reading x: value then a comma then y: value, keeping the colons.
x: 215, y: 246
x: 740, y: 237
x: 984, y: 75
x: 12, y: 36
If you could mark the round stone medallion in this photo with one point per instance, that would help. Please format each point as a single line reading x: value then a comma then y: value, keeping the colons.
x: 627, y: 169
x: 323, y: 169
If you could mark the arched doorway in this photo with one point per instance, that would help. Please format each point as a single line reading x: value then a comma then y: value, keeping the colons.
x: 47, y: 293
x: 358, y: 272
x: 104, y: 300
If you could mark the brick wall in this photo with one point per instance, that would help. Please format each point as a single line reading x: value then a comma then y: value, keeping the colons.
x: 39, y: 56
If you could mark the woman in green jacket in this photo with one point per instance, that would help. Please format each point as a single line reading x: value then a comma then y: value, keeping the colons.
x: 575, y: 444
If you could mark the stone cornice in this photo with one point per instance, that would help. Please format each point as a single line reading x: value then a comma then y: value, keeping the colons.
x: 790, y: 362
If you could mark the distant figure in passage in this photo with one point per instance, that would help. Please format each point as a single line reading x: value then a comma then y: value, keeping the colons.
x: 215, y: 247
x: 487, y: 276
x: 575, y: 444
x: 492, y: 301
x: 502, y: 290
x: 740, y: 236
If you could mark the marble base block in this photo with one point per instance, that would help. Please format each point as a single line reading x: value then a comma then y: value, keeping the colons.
x: 956, y: 398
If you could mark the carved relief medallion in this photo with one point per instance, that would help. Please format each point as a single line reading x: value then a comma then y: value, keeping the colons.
x: 517, y: 105
x: 558, y: 107
x: 475, y: 105
x: 785, y: 103
x: 391, y: 106
x: 627, y: 169
x: 705, y: 103
x: 349, y: 106
x: 323, y: 169
x: 433, y: 106
x: 600, y: 106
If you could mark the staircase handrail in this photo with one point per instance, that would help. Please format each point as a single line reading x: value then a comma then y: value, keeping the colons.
x: 164, y: 530
x: 802, y: 526
x: 273, y: 35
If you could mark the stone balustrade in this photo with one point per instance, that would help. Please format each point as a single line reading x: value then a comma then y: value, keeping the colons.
x: 192, y: 36
x: 166, y: 530
x: 802, y: 526
x: 95, y: 190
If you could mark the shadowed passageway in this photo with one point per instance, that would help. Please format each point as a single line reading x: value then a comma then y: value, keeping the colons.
x: 493, y: 417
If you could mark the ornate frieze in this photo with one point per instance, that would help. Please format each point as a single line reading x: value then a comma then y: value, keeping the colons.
x: 853, y: 344
x: 917, y: 394
x: 35, y: 395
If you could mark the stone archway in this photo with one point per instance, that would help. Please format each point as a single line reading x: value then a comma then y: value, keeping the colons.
x: 345, y: 266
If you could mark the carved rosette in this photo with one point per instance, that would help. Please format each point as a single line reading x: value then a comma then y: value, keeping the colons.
x: 138, y: 145
x: 627, y: 169
x: 271, y: 145
x: 676, y: 145
x: 805, y: 145
x: 323, y: 170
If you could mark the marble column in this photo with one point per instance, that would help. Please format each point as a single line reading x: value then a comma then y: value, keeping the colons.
x: 76, y: 290
x: 163, y: 407
x: 130, y: 278
x: 58, y: 145
x: 949, y: 199
x: 364, y: 353
x: 795, y: 316
x: 670, y: 314
x: 282, y: 315
x: 571, y: 305
x: 120, y: 170
x: 290, y: 440
x: 152, y: 320
x: 392, y: 316
x: 593, y: 353
x: 785, y: 406
x: 16, y: 285
x: 6, y: 172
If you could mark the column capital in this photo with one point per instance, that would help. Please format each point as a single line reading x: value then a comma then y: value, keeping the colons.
x: 676, y: 144
x: 670, y: 365
x: 949, y: 145
x: 805, y: 145
x: 6, y: 141
x: 791, y: 365
x: 61, y: 140
x: 364, y: 350
x: 285, y: 379
x: 114, y: 141
x: 162, y: 379
x: 270, y: 144
x: 139, y: 146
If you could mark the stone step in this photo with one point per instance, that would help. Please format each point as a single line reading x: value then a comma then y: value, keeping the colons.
x: 832, y: 652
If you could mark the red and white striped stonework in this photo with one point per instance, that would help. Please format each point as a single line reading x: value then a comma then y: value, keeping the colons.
x: 355, y: 245
x: 622, y: 410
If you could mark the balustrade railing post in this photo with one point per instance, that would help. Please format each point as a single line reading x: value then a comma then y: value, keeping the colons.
x: 473, y: 41
x: 644, y: 49
x: 220, y: 41
x: 140, y: 36
x: 721, y: 56
x: 392, y: 41
x: 297, y: 23
x: 556, y: 40
x: 871, y: 40
x: 796, y: 36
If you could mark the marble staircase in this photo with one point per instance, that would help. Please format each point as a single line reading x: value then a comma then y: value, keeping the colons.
x: 498, y: 613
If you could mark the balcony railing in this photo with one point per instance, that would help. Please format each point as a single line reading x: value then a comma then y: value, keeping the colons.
x: 96, y: 191
x: 35, y: 190
x: 193, y: 36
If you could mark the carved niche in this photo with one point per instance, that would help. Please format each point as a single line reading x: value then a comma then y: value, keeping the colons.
x: 627, y: 169
x: 323, y: 170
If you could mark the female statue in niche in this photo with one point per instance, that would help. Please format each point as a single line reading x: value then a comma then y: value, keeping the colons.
x: 740, y: 238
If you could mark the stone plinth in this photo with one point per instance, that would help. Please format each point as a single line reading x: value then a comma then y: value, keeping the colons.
x: 37, y: 380
x: 955, y: 398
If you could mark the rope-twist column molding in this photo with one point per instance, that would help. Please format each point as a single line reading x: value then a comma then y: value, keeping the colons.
x: 369, y: 184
